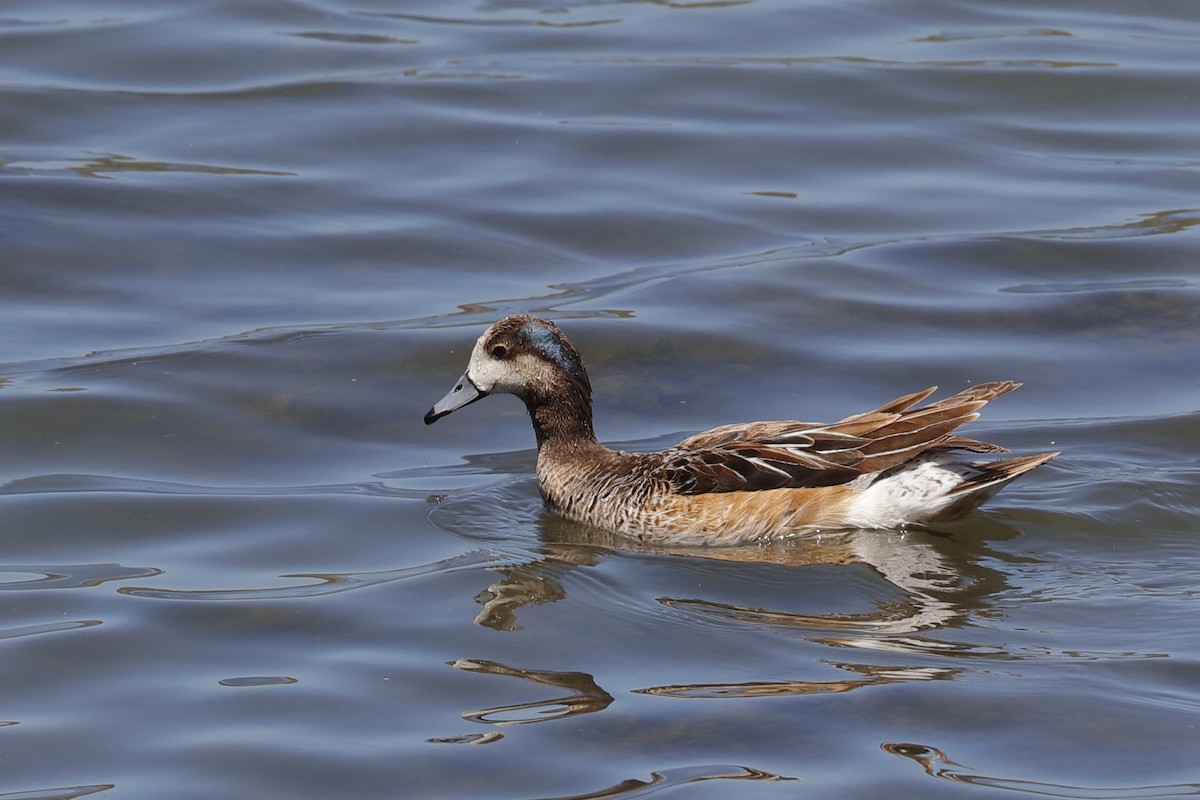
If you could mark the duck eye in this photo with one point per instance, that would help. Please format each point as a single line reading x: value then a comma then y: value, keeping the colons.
x: 499, y: 351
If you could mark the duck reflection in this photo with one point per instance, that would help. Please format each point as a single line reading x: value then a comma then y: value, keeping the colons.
x: 940, y: 578
x: 939, y: 575
x: 871, y: 676
x: 928, y: 584
x: 937, y: 764
x: 670, y: 778
x: 527, y: 584
x: 584, y: 697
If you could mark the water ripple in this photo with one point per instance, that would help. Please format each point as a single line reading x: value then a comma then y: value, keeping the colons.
x: 52, y: 627
x: 352, y: 38
x: 108, y: 164
x: 64, y: 793
x: 70, y: 483
x: 489, y: 22
x: 259, y: 680
x: 1146, y: 284
x: 671, y: 778
x: 330, y: 583
x: 70, y: 576
x: 562, y: 300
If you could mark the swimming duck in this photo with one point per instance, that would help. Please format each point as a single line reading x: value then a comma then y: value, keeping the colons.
x: 898, y: 465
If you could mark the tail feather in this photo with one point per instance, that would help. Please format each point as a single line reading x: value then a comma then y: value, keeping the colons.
x: 991, y: 478
x: 993, y: 472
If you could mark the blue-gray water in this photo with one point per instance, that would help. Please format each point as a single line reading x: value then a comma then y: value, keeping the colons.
x: 245, y: 245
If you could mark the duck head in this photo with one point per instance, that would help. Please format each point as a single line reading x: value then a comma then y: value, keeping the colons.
x: 531, y: 358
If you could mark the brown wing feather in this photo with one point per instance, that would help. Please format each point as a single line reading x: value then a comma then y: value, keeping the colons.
x: 745, y: 432
x: 789, y: 454
x: 898, y: 405
x: 746, y: 467
x: 972, y: 445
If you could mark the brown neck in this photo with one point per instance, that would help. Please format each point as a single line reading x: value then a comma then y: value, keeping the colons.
x: 564, y: 419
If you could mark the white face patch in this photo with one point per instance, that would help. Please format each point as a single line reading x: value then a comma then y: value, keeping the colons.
x: 482, y: 369
x: 523, y: 368
x: 491, y: 375
x: 514, y: 375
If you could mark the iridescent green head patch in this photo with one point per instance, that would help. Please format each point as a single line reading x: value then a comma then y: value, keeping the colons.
x: 548, y: 341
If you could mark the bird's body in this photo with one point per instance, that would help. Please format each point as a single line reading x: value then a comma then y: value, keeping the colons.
x: 899, y: 464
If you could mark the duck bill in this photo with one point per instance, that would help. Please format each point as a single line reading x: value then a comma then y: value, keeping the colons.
x: 463, y: 394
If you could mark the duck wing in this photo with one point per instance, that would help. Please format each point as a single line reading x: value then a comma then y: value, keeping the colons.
x: 789, y: 454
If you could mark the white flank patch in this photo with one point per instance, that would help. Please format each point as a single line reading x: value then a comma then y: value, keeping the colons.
x: 909, y: 494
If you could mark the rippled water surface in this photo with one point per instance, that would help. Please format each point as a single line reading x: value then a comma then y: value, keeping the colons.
x: 246, y: 245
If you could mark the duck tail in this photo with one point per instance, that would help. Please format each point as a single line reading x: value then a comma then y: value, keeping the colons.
x: 990, y: 478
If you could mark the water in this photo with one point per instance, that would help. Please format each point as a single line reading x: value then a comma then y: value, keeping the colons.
x: 246, y: 246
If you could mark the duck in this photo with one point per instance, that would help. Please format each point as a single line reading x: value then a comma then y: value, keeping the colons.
x: 899, y: 465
